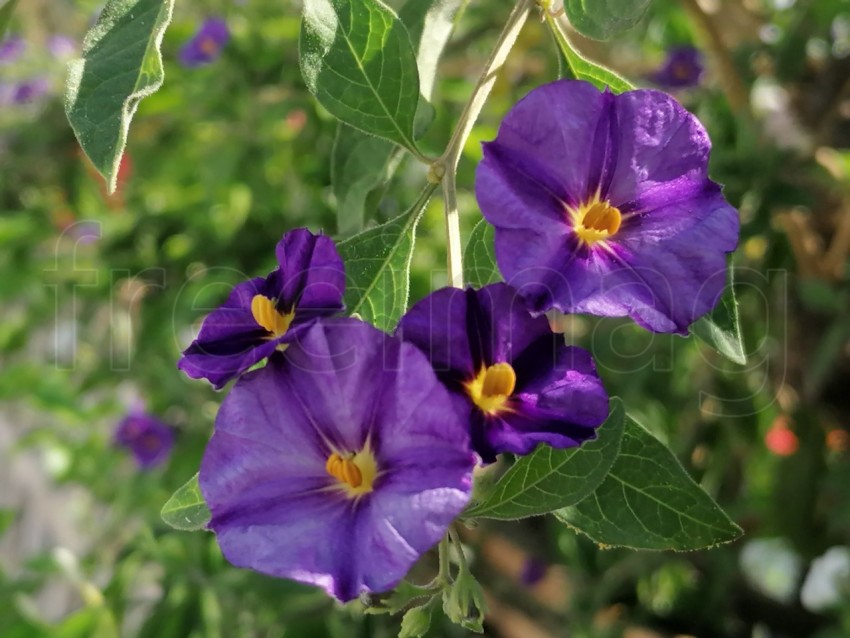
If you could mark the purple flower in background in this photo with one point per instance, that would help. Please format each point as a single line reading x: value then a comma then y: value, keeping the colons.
x: 262, y: 315
x: 11, y: 49
x: 533, y: 571
x: 515, y: 381
x: 30, y: 90
x: 338, y: 464
x: 61, y: 47
x: 682, y: 68
x: 602, y: 204
x: 207, y: 43
x: 149, y: 439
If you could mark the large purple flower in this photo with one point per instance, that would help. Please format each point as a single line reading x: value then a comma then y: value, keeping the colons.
x: 338, y: 464
x: 149, y: 439
x: 207, y: 43
x: 682, y: 68
x: 262, y: 315
x: 516, y: 383
x: 602, y: 204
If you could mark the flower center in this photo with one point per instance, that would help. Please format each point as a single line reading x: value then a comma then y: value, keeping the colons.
x: 596, y: 221
x: 492, y: 387
x: 269, y: 317
x: 356, y: 472
x: 208, y: 46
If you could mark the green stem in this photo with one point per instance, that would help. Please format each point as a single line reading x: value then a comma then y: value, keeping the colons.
x: 461, y: 557
x: 444, y: 575
x: 447, y: 164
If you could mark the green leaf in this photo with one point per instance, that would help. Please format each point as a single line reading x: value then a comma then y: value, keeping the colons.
x: 121, y: 64
x: 601, y: 19
x: 377, y: 266
x: 6, y: 12
x: 583, y: 69
x: 648, y: 501
x: 360, y: 163
x: 721, y: 328
x: 186, y: 509
x: 479, y: 258
x: 357, y: 59
x: 550, y: 479
x: 417, y: 621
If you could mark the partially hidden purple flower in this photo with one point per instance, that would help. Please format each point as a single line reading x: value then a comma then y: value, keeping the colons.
x: 338, y: 464
x: 515, y: 382
x: 61, y: 47
x: 262, y: 315
x: 207, y: 43
x: 31, y: 90
x: 11, y: 49
x: 602, y: 205
x: 149, y: 439
x: 682, y: 68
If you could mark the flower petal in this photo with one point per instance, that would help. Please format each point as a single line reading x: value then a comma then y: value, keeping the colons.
x: 311, y: 275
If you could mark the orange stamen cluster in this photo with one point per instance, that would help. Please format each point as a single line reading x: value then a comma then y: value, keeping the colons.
x: 596, y: 221
x: 492, y: 388
x: 269, y: 317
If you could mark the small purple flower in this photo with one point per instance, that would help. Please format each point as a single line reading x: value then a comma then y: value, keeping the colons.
x: 25, y: 92
x: 338, y: 464
x: 602, y: 204
x: 533, y: 571
x: 682, y: 68
x: 262, y: 315
x: 206, y: 45
x: 515, y: 381
x: 61, y: 47
x: 11, y: 49
x: 149, y: 439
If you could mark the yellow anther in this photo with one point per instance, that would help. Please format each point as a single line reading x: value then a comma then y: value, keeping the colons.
x: 356, y: 473
x: 344, y: 470
x: 492, y: 388
x: 596, y: 221
x: 268, y: 317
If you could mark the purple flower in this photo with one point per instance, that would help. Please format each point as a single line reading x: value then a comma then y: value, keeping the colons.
x: 206, y: 45
x: 533, y: 571
x: 11, y: 49
x: 61, y: 47
x: 338, y: 464
x: 682, y: 68
x: 24, y: 92
x: 515, y: 382
x: 262, y: 315
x: 602, y: 204
x: 149, y: 439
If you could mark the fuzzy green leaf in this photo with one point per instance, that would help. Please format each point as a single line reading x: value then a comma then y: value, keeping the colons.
x: 186, y: 509
x: 479, y: 258
x: 121, y: 64
x: 648, y: 501
x: 377, y: 266
x: 549, y: 479
x: 357, y: 59
x: 602, y: 19
x: 583, y: 69
x: 721, y: 328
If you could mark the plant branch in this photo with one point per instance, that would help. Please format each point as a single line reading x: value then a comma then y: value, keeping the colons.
x: 730, y: 80
x: 445, y: 169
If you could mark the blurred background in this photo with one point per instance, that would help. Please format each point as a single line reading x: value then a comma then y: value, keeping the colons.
x: 100, y: 293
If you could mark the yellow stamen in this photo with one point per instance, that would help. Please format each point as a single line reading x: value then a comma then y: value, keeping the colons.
x: 492, y: 388
x: 269, y: 317
x: 595, y: 221
x: 356, y: 473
